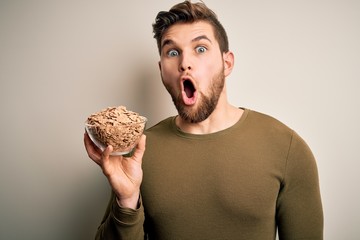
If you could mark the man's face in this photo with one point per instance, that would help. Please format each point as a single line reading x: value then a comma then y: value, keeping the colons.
x: 192, y: 69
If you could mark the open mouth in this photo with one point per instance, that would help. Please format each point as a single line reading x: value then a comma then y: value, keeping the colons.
x: 189, y: 92
x: 189, y: 88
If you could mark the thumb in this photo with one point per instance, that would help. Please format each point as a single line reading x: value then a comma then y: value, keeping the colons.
x: 140, y: 149
x: 107, y: 151
x: 105, y: 155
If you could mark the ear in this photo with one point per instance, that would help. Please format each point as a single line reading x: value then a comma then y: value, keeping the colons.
x: 159, y: 63
x: 228, y: 58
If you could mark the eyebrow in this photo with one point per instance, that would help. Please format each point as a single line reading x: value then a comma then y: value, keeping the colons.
x: 200, y: 38
x: 169, y: 41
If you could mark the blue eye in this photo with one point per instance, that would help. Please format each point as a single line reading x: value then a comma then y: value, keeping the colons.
x: 201, y: 49
x: 173, y: 53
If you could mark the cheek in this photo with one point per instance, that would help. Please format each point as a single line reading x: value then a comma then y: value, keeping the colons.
x: 210, y: 65
x: 208, y: 73
x: 168, y: 80
x: 168, y: 72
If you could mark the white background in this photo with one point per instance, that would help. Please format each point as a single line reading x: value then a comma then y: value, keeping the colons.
x: 63, y: 60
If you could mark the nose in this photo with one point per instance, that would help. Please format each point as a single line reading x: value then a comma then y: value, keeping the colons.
x: 184, y: 64
x: 182, y: 69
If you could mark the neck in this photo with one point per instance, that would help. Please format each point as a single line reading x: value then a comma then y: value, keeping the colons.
x: 223, y: 116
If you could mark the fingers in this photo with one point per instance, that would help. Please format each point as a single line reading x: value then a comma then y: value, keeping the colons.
x: 93, y: 151
x: 99, y: 157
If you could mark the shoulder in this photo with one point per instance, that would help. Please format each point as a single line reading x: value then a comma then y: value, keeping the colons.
x: 273, y: 128
x: 164, y: 127
x: 264, y: 122
x: 165, y: 123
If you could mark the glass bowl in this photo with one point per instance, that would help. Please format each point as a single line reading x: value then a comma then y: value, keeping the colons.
x: 123, y: 137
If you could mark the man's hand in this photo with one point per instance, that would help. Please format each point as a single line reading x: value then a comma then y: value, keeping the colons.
x: 123, y: 173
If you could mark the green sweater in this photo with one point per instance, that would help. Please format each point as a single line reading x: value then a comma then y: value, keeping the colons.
x: 244, y: 182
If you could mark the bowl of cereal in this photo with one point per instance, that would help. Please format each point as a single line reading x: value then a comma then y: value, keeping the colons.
x: 115, y: 126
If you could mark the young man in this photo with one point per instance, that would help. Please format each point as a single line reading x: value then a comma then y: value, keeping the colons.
x: 215, y: 171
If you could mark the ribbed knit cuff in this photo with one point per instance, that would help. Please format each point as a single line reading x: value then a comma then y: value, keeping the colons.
x: 127, y: 216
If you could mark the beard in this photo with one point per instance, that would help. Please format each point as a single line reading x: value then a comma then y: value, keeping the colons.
x: 207, y: 103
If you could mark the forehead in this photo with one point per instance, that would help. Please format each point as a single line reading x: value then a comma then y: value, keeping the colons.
x: 180, y: 32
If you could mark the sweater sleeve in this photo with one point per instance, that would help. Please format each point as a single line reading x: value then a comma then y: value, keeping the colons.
x: 121, y: 223
x: 299, y: 208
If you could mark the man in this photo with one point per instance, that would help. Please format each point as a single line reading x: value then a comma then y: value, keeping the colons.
x: 215, y: 171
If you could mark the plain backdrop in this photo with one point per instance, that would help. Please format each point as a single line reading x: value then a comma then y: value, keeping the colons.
x: 62, y: 60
